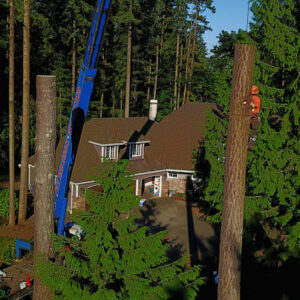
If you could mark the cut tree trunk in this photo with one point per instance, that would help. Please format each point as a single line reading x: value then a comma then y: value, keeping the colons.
x: 26, y: 112
x: 11, y: 116
x: 44, y: 175
x: 235, y: 174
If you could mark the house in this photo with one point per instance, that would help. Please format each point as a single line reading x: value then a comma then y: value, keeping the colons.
x: 160, y: 153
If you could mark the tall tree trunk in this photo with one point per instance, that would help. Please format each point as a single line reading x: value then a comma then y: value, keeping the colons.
x: 73, y: 62
x: 121, y: 103
x: 176, y: 73
x: 11, y: 116
x: 44, y: 179
x: 193, y: 56
x: 101, y: 104
x: 113, y: 104
x: 156, y: 71
x: 149, y: 82
x: 180, y: 75
x: 235, y: 174
x: 60, y: 117
x: 187, y: 64
x: 128, y: 71
x: 26, y: 111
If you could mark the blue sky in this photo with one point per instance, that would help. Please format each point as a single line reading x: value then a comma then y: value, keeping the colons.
x: 229, y: 15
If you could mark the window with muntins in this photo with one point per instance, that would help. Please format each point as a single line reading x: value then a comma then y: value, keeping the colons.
x: 109, y: 152
x: 136, y: 150
x: 172, y: 175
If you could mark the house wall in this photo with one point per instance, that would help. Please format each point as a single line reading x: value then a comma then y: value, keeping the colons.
x: 178, y: 185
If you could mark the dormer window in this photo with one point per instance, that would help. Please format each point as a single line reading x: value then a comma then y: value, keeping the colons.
x: 136, y: 150
x: 110, y: 152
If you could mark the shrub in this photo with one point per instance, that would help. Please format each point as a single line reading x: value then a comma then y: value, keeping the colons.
x: 4, y: 203
x: 7, y: 250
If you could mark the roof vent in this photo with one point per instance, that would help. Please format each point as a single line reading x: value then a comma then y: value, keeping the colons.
x: 153, y: 110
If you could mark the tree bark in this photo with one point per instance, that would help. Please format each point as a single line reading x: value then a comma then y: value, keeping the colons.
x: 128, y: 71
x: 44, y: 175
x: 235, y: 173
x: 180, y: 76
x: 101, y: 104
x: 156, y: 71
x: 187, y: 63
x: 176, y: 73
x: 11, y: 116
x: 121, y: 103
x: 26, y: 111
x: 149, y: 82
x: 193, y: 55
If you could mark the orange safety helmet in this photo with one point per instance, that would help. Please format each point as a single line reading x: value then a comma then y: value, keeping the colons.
x: 254, y: 90
x: 255, y: 101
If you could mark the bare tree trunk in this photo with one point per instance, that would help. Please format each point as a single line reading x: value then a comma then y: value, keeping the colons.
x: 128, y: 71
x: 44, y: 178
x: 156, y: 71
x: 176, y: 73
x: 60, y: 117
x: 235, y: 173
x: 187, y: 64
x: 11, y: 115
x: 149, y: 82
x: 101, y: 104
x: 26, y: 112
x: 193, y: 56
x: 180, y: 75
x: 113, y: 104
x: 73, y: 62
x: 121, y: 103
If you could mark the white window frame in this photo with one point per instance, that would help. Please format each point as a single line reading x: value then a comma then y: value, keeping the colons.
x: 171, y: 175
x: 111, y: 152
x: 136, y: 147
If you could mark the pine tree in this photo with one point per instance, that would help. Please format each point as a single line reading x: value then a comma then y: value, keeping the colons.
x: 117, y: 259
x: 273, y: 167
x: 272, y: 185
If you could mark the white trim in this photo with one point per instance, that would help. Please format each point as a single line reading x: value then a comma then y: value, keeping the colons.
x: 77, y: 190
x: 84, y: 182
x: 92, y: 186
x: 104, y: 145
x: 160, y: 185
x: 136, y: 187
x: 165, y: 170
x: 71, y: 206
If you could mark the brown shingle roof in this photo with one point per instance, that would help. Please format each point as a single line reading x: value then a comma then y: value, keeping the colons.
x: 172, y: 141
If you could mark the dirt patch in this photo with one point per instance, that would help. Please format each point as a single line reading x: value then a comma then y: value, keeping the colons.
x: 24, y: 231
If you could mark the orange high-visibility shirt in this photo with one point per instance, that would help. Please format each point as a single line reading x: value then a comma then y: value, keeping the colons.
x: 256, y: 102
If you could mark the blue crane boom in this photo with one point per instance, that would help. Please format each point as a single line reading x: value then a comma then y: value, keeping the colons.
x: 81, y: 101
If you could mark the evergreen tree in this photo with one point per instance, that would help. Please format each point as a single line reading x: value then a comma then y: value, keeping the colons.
x: 117, y: 259
x: 272, y: 186
x: 273, y: 183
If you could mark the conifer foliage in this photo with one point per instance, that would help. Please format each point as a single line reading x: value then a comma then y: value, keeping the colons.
x: 272, y: 185
x: 116, y: 259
